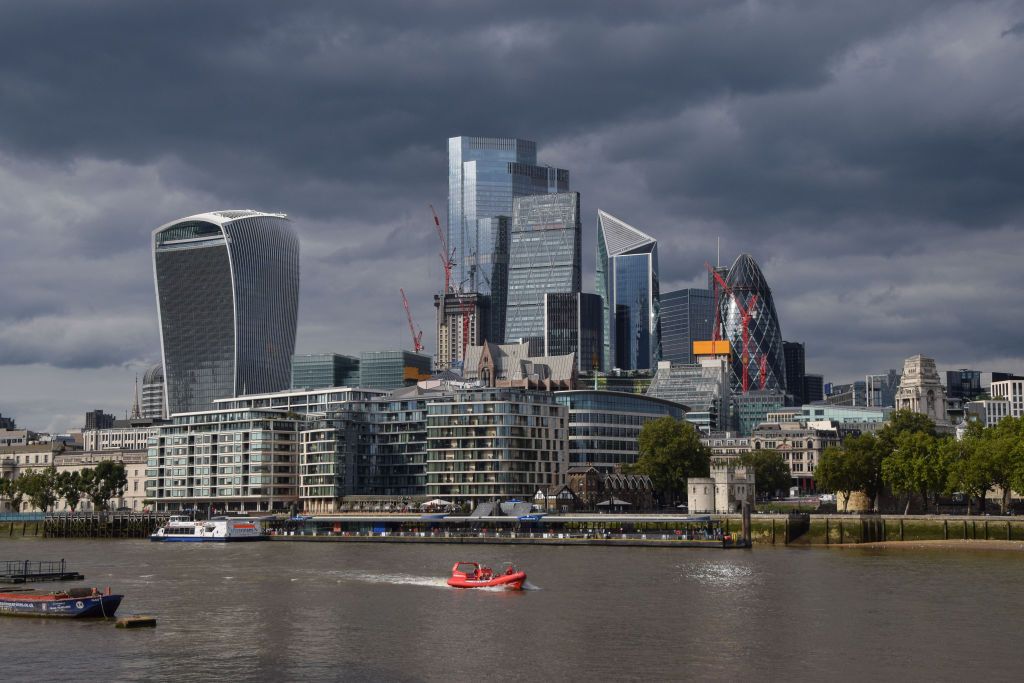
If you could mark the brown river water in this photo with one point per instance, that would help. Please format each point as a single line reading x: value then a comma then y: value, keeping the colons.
x: 382, y: 612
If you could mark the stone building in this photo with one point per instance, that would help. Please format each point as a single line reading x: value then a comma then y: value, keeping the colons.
x: 921, y: 391
x: 511, y: 365
x: 597, y: 491
x: 723, y: 492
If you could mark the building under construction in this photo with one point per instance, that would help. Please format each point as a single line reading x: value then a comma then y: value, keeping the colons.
x: 461, y: 323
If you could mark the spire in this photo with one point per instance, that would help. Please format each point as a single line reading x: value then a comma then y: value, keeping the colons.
x: 136, y: 413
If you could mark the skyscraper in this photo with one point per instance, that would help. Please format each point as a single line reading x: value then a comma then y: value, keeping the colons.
x: 796, y: 368
x: 627, y: 280
x: 484, y: 176
x: 153, y: 407
x: 762, y: 355
x: 572, y: 324
x: 687, y: 315
x: 318, y: 370
x: 544, y: 258
x: 227, y: 288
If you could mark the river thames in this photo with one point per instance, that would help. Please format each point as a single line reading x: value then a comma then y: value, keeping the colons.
x: 359, y: 611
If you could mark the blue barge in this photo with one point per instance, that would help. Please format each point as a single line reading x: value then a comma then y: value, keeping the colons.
x: 72, y: 603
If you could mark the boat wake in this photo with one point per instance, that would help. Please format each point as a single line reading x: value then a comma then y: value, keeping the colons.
x: 394, y: 579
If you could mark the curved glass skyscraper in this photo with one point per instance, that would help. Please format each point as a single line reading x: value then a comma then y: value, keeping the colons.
x: 227, y: 289
x: 627, y: 280
x: 766, y: 366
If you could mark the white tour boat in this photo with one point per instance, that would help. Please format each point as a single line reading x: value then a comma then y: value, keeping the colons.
x: 219, y: 529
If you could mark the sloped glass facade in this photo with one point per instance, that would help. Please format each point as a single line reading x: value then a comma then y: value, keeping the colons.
x: 627, y: 278
x: 766, y: 367
x: 544, y: 257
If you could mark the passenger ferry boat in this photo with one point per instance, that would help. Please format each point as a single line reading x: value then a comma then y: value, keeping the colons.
x: 70, y: 603
x: 220, y: 529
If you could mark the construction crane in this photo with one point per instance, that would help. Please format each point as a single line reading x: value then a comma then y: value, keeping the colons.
x: 417, y: 337
x: 466, y: 308
x: 447, y: 254
x: 746, y: 313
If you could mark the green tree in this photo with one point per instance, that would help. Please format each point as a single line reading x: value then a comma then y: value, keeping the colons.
x: 105, y: 481
x: 1005, y: 445
x: 866, y: 453
x: 10, y: 490
x: 969, y: 467
x: 69, y: 487
x: 915, y: 466
x: 771, y: 473
x: 670, y: 452
x: 40, y: 487
x: 838, y: 474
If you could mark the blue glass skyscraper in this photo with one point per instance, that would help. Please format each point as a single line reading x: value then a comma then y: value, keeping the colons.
x: 227, y: 289
x: 687, y: 315
x: 484, y: 176
x: 544, y: 258
x: 627, y: 280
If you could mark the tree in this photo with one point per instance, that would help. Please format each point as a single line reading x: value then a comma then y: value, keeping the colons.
x: 40, y: 487
x: 866, y: 453
x: 839, y: 474
x: 968, y: 465
x: 9, y: 489
x: 771, y: 473
x: 901, y: 421
x: 69, y: 487
x: 105, y: 481
x: 915, y: 466
x: 670, y: 452
x: 1005, y: 445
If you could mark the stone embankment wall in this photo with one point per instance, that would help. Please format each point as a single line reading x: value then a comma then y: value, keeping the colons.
x: 841, y: 529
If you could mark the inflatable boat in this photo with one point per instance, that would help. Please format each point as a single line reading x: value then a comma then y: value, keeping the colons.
x: 472, y: 575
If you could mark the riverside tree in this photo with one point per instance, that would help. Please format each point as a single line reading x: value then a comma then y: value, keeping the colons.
x: 914, y: 466
x: 839, y: 474
x: 771, y: 473
x: 969, y: 468
x: 40, y: 487
x: 69, y: 487
x: 105, y: 481
x: 670, y: 452
x: 10, y: 490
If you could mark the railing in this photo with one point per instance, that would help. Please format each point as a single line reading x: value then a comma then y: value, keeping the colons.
x: 29, y: 568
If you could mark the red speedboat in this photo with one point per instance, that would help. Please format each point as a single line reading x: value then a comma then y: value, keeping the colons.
x: 472, y: 575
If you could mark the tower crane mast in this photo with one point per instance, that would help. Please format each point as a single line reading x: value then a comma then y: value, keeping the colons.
x: 417, y: 337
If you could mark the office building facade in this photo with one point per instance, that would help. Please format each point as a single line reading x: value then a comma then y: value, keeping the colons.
x: 485, y: 175
x: 814, y: 388
x: 795, y: 358
x: 852, y: 394
x: 573, y: 324
x: 762, y: 357
x: 97, y: 419
x: 687, y: 315
x: 963, y: 384
x: 627, y: 280
x: 153, y: 406
x: 880, y: 390
x: 544, y: 258
x: 1011, y: 391
x: 319, y: 370
x: 604, y: 425
x: 227, y: 288
x: 392, y: 369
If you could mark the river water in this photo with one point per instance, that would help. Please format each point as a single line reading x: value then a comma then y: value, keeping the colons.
x: 359, y: 611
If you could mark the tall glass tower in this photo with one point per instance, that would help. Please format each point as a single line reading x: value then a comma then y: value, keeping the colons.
x: 227, y: 289
x: 766, y: 365
x: 627, y: 280
x: 544, y: 258
x: 687, y: 315
x: 484, y: 176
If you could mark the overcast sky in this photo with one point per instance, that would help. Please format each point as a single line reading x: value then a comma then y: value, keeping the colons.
x: 870, y: 156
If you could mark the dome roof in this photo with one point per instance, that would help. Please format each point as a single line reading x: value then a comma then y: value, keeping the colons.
x: 745, y: 274
x: 155, y: 375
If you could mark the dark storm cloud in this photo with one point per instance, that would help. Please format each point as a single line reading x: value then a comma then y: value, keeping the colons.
x: 868, y: 155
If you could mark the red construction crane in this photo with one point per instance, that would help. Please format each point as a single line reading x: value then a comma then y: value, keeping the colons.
x: 417, y: 338
x: 746, y: 313
x: 466, y: 308
x: 762, y: 378
x: 447, y: 255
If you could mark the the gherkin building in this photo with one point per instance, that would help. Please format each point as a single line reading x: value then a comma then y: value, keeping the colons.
x: 766, y: 367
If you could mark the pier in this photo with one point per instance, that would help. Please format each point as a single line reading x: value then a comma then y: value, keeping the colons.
x: 102, y: 524
x: 608, y: 530
x: 29, y: 571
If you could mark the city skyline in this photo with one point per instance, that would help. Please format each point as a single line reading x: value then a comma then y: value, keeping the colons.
x: 879, y: 200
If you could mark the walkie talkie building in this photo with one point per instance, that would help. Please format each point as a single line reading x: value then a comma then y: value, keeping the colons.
x: 227, y: 289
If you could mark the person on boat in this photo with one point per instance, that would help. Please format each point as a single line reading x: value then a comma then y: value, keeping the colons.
x: 486, y: 574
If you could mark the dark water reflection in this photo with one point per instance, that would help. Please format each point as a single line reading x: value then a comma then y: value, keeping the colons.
x: 294, y: 611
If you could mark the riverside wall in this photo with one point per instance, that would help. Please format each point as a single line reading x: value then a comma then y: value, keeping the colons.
x: 807, y: 530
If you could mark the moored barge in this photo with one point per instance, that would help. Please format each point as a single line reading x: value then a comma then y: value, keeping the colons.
x: 71, y: 603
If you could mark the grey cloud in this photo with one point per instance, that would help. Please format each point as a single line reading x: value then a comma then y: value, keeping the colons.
x: 867, y: 155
